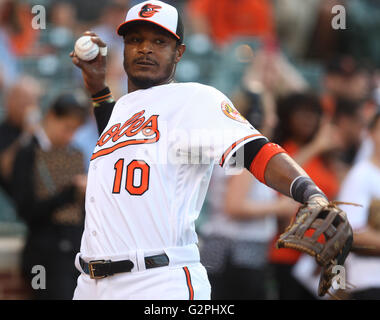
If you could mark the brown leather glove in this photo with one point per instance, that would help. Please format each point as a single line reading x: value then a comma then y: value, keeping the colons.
x: 320, y: 229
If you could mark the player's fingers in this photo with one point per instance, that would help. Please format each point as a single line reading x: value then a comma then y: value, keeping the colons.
x: 77, y: 62
x: 75, y: 59
x: 98, y: 41
x: 102, y: 47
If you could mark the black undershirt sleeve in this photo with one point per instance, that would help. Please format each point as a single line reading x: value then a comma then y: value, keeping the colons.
x: 103, y: 115
x: 103, y: 111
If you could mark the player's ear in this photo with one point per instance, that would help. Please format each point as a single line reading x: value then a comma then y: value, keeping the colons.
x: 180, y: 50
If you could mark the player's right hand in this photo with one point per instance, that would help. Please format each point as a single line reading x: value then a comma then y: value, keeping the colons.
x: 94, y: 71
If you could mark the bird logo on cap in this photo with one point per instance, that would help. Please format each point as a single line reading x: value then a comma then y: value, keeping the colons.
x: 149, y: 10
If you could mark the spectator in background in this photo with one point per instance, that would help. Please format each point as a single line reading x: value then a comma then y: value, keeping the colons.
x: 293, y: 15
x: 350, y: 123
x: 362, y: 186
x: 16, y: 21
x: 369, y: 109
x: 274, y: 72
x: 241, y: 222
x: 325, y: 42
x: 63, y: 14
x: 48, y: 187
x: 361, y: 39
x: 225, y: 20
x: 9, y: 67
x: 112, y: 16
x: 86, y: 136
x: 306, y: 136
x: 88, y: 11
x: 21, y: 102
x: 341, y: 138
x: 117, y: 79
x: 343, y: 79
x: 348, y: 103
x: 62, y: 26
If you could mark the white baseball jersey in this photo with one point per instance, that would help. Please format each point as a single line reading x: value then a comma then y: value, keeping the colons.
x: 152, y: 164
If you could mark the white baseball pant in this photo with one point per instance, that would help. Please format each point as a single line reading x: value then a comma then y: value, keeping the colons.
x: 183, y: 279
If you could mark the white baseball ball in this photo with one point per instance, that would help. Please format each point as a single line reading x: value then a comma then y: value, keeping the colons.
x: 85, y: 49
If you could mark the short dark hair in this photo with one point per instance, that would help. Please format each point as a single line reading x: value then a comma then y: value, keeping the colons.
x: 67, y: 104
x: 291, y: 103
x: 298, y: 100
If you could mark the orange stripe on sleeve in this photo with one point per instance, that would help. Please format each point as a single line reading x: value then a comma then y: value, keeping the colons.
x: 189, y: 284
x: 259, y: 163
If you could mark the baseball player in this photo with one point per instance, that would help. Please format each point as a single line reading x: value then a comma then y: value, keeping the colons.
x: 151, y: 166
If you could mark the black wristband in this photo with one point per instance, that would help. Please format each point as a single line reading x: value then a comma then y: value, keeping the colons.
x: 303, y: 188
x: 103, y: 92
x: 103, y: 96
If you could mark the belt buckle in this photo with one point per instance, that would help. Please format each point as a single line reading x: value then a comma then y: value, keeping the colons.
x: 91, y: 268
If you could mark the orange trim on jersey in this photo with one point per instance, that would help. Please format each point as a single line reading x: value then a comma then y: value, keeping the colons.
x: 188, y: 282
x: 225, y: 154
x: 260, y: 162
x: 160, y: 25
x: 106, y: 151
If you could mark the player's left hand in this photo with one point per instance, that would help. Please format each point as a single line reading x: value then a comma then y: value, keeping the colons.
x: 320, y: 229
x: 94, y: 71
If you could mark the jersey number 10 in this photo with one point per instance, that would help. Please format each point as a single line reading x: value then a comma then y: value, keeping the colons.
x: 130, y: 185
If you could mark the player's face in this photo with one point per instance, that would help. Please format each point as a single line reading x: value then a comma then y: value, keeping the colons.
x: 150, y: 56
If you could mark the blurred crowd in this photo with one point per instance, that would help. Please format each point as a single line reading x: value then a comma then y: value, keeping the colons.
x: 306, y: 86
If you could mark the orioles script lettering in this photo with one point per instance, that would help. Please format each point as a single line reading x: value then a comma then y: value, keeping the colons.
x: 127, y: 131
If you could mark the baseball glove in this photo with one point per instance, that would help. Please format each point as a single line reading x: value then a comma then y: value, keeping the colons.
x: 321, y: 230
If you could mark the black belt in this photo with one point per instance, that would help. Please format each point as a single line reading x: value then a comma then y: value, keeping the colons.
x: 98, y: 269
